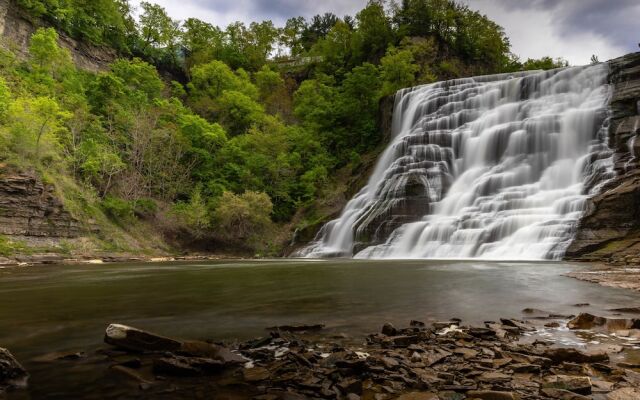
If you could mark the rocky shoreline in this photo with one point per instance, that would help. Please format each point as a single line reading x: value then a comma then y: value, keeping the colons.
x: 624, y: 276
x: 502, y: 360
x: 58, y: 259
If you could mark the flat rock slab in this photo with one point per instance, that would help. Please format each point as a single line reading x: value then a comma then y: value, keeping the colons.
x: 133, y: 339
x: 575, y: 384
x: 624, y: 394
x: 491, y: 395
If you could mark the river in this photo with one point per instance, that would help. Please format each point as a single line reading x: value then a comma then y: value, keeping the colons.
x: 66, y: 308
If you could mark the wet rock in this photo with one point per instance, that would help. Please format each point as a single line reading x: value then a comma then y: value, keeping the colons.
x: 12, y: 374
x: 524, y: 367
x: 517, y: 324
x: 58, y: 356
x: 630, y: 310
x: 418, y: 396
x: 575, y: 384
x: 559, y: 355
x: 467, y: 354
x: 563, y: 394
x: 494, y: 377
x: 297, y: 328
x: 256, y: 374
x: 131, y: 374
x: 417, y: 324
x: 491, y: 395
x: 133, y: 339
x: 589, y: 321
x: 404, y: 340
x: 389, y: 330
x: 186, y: 366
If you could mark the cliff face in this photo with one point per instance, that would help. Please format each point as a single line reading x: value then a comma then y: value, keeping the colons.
x: 16, y: 30
x: 610, y: 230
x: 30, y: 208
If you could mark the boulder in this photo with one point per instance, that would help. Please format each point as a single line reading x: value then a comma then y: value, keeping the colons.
x: 132, y: 339
x: 590, y: 321
x: 12, y: 374
x: 389, y: 330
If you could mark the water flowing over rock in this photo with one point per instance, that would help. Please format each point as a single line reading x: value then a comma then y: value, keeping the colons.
x: 493, y: 167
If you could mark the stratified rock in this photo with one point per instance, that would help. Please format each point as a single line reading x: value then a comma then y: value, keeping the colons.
x: 133, y: 339
x: 186, y: 366
x: 12, y: 374
x: 610, y: 228
x: 589, y: 321
x: 491, y: 395
x: 256, y: 374
x: 559, y: 355
x: 297, y: 328
x: 563, y: 394
x: 624, y: 394
x: 418, y: 396
x: 575, y: 384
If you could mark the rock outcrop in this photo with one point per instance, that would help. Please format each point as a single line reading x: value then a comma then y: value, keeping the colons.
x: 30, y: 208
x: 16, y: 29
x: 12, y: 374
x: 610, y: 229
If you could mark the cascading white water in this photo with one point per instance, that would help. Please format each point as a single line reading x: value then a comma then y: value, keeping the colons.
x: 493, y: 167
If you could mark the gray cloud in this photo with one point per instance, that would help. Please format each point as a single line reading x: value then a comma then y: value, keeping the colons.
x: 615, y: 20
x: 573, y: 29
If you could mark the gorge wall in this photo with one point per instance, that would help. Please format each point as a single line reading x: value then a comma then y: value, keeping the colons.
x: 16, y: 29
x: 31, y: 208
x: 610, y: 228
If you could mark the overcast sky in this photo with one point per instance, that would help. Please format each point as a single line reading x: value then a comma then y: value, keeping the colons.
x: 572, y: 29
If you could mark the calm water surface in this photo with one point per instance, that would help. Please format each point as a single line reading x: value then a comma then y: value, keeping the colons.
x: 55, y: 308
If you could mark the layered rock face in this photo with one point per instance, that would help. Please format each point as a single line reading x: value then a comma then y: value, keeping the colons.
x: 610, y: 229
x: 29, y: 208
x: 16, y: 30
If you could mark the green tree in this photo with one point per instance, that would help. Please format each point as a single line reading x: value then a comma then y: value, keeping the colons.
x: 36, y: 126
x: 244, y: 217
x: 397, y: 70
x: 238, y: 112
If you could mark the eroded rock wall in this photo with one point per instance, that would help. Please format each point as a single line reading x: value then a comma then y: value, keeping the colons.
x: 16, y: 29
x: 610, y: 230
x: 30, y: 208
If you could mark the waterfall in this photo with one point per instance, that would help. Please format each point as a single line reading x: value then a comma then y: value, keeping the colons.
x: 491, y: 167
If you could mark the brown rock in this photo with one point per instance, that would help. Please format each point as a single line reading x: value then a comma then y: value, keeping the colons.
x: 563, y: 394
x: 576, y: 384
x: 418, y: 396
x: 389, y: 330
x: 133, y: 339
x: 491, y: 395
x: 590, y: 321
x: 559, y: 355
x: 624, y: 394
x: 186, y: 366
x: 12, y: 374
x: 256, y: 374
x: 493, y: 377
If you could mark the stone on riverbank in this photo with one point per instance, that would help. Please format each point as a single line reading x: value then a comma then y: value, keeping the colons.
x: 133, y: 339
x: 12, y: 374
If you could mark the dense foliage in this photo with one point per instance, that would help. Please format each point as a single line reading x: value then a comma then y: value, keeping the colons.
x: 256, y: 120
